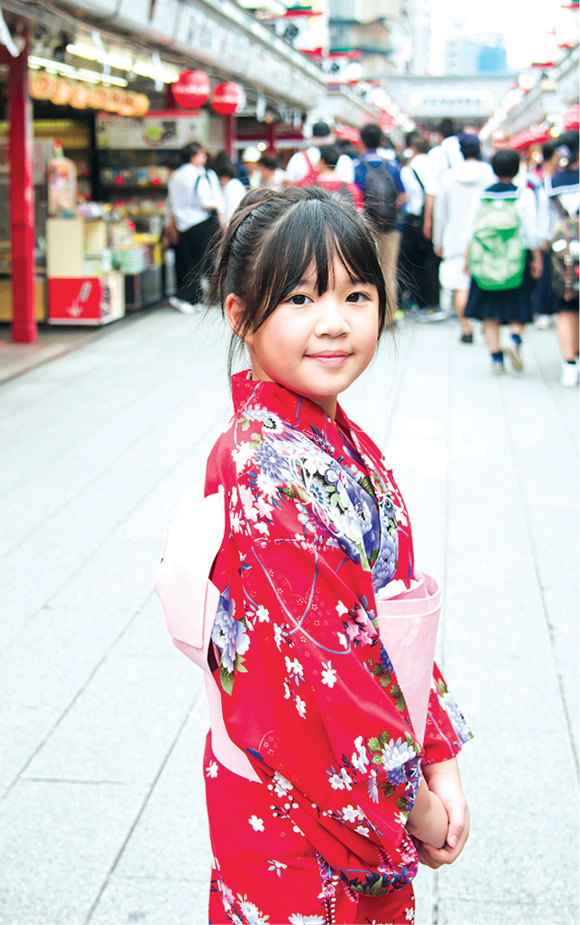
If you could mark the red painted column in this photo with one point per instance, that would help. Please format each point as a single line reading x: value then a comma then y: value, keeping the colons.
x: 271, y: 137
x: 21, y: 200
x: 229, y: 134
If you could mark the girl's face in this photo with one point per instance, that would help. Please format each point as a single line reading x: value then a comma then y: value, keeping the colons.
x: 317, y: 345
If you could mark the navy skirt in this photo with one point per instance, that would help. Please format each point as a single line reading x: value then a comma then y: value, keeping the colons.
x: 546, y: 302
x: 505, y: 306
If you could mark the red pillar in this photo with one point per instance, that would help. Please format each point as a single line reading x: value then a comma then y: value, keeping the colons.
x: 21, y: 200
x: 271, y: 137
x: 229, y: 134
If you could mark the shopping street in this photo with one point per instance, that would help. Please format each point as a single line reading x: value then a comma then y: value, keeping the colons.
x: 103, y: 721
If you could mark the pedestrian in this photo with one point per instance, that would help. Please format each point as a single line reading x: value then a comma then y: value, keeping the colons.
x: 197, y: 210
x: 458, y: 192
x: 316, y: 824
x: 509, y: 257
x: 329, y: 180
x: 379, y: 180
x: 273, y: 177
x: 418, y: 267
x: 233, y: 190
x: 557, y: 292
x: 305, y: 162
x: 446, y: 153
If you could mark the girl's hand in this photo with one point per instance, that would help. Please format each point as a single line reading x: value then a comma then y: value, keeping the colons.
x: 536, y: 265
x: 444, y: 780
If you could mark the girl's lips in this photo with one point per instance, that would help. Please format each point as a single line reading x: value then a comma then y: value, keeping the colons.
x: 329, y: 359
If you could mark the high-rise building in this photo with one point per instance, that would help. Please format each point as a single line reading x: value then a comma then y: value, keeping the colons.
x: 470, y: 55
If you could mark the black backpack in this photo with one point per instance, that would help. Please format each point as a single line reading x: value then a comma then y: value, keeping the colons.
x: 380, y: 196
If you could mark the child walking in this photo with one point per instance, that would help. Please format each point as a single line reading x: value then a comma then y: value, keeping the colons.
x: 511, y: 305
x: 327, y: 799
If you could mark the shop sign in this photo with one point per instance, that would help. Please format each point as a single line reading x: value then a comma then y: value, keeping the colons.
x: 164, y: 130
x: 227, y: 98
x: 191, y: 89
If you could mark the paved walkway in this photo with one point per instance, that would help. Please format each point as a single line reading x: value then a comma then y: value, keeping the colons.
x: 102, y: 721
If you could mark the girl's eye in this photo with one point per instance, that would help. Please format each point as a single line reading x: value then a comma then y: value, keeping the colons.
x: 357, y: 297
x: 299, y: 299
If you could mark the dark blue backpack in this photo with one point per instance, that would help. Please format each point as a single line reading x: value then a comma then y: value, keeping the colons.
x: 380, y: 196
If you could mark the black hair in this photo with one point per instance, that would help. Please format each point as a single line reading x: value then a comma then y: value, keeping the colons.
x: 272, y: 240
x: 329, y: 155
x: 269, y: 161
x: 371, y: 135
x: 505, y: 163
x: 447, y: 128
x: 225, y: 169
x: 347, y: 147
x: 190, y: 151
x: 548, y: 151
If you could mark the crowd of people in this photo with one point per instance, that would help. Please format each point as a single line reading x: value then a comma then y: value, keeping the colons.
x: 461, y: 233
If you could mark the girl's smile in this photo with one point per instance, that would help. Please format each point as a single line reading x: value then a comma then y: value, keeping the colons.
x: 317, y: 345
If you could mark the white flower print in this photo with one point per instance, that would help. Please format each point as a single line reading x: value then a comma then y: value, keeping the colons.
x: 243, y: 454
x: 277, y: 866
x: 262, y: 528
x: 402, y: 818
x: 410, y: 915
x: 287, y: 692
x: 281, y: 785
x: 342, y: 640
x: 227, y: 895
x: 247, y: 500
x: 236, y: 522
x: 341, y: 609
x: 396, y: 754
x: 341, y: 781
x: 352, y: 813
x: 277, y: 635
x: 362, y: 830
x: 262, y: 614
x: 293, y: 667
x: 372, y: 786
x: 328, y: 674
x: 211, y: 770
x: 297, y: 919
x: 264, y: 509
x: 301, y: 707
x: 256, y: 823
x: 359, y: 759
x: 266, y: 485
x: 252, y: 914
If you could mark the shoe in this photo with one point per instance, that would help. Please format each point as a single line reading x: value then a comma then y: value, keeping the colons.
x: 427, y: 315
x: 515, y: 357
x: 543, y: 322
x: 569, y: 376
x: 466, y: 338
x: 497, y: 367
x: 187, y: 308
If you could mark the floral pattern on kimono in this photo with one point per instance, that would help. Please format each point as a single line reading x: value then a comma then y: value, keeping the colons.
x: 316, y: 526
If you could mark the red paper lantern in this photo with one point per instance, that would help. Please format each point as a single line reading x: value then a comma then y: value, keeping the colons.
x: 227, y: 98
x: 191, y: 90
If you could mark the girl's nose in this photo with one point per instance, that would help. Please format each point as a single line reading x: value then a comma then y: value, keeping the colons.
x: 332, y: 319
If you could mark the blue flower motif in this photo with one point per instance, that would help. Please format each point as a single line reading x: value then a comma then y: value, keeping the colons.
x: 228, y: 633
x: 271, y: 462
x: 385, y: 660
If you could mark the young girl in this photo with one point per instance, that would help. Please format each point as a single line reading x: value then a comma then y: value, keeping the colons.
x: 338, y: 799
x: 509, y: 306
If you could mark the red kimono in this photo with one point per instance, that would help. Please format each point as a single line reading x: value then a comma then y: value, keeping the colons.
x: 316, y: 526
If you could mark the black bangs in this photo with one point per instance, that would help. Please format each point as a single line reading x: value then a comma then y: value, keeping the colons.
x: 311, y: 234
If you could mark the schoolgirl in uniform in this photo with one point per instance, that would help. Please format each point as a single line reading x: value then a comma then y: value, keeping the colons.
x: 332, y: 799
x: 561, y: 193
x: 509, y: 306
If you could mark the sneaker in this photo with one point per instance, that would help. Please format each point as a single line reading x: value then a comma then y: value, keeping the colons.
x: 497, y: 367
x: 543, y: 322
x: 185, y: 307
x: 569, y: 376
x: 427, y: 315
x: 515, y: 357
x: 466, y: 338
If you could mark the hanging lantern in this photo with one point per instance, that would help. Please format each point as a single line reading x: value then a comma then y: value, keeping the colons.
x: 80, y: 96
x: 62, y: 92
x: 191, y: 90
x: 115, y: 99
x: 42, y: 85
x: 99, y: 97
x: 227, y: 98
x: 141, y: 104
x: 130, y: 104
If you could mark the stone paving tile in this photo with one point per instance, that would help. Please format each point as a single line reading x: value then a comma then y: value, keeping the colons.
x: 490, y: 912
x: 122, y: 725
x: 58, y: 842
x: 153, y: 902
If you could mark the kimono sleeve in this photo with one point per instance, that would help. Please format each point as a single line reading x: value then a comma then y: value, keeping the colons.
x: 312, y: 702
x: 446, y: 730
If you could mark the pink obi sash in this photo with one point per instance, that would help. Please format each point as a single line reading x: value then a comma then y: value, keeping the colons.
x: 407, y: 621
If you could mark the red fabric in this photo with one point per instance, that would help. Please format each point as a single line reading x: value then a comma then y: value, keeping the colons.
x: 308, y: 691
x: 334, y: 185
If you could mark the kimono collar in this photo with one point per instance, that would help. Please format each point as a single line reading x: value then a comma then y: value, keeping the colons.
x: 306, y: 416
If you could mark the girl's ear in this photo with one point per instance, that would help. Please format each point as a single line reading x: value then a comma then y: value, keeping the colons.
x: 234, y: 308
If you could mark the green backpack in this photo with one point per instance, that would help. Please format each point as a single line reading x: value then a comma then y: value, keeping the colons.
x: 496, y: 254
